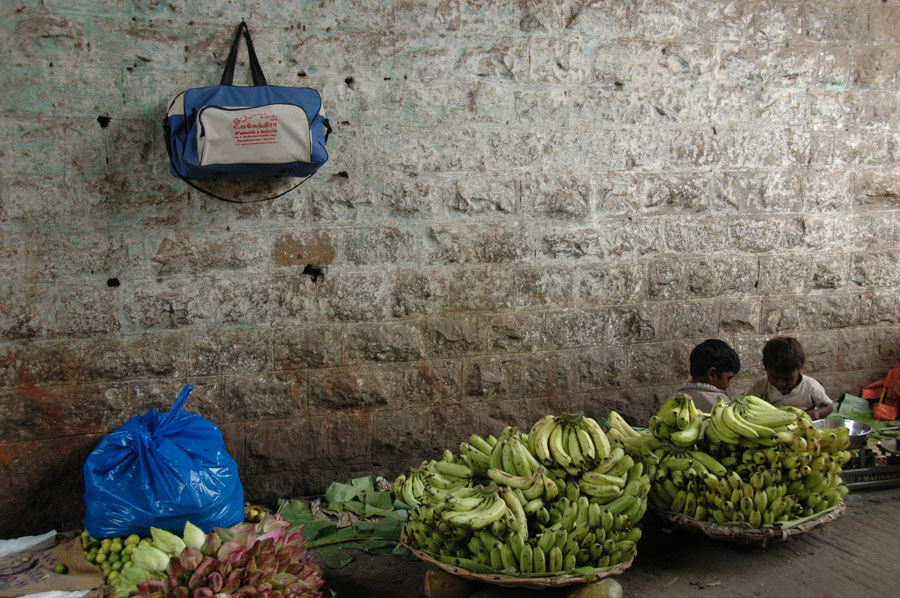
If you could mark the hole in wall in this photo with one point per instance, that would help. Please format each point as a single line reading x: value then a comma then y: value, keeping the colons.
x: 315, y: 272
x: 103, y: 120
x: 113, y: 282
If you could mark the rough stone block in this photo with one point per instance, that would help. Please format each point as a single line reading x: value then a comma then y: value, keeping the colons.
x: 739, y: 315
x: 609, y: 284
x: 887, y: 346
x: 615, y: 194
x: 84, y: 312
x: 756, y: 235
x: 453, y: 423
x: 377, y: 246
x: 136, y: 398
x: 351, y: 296
x: 571, y: 243
x: 627, y: 238
x: 256, y: 397
x: 151, y: 355
x: 230, y: 351
x: 312, y: 346
x: 877, y: 188
x: 434, y: 381
x: 828, y: 191
x: 41, y: 363
x: 477, y: 244
x: 416, y: 292
x: 516, y: 413
x: 480, y: 288
x: 485, y: 377
x: 418, y: 17
x: 635, y: 322
x: 780, y: 315
x: 454, y: 337
x: 350, y: 436
x: 674, y: 193
x: 577, y: 327
x: 555, y: 198
x: 540, y: 374
x: 666, y: 279
x: 34, y: 413
x: 694, y: 233
x: 873, y: 67
x: 379, y: 342
x: 600, y: 368
x: 833, y: 21
x: 544, y: 287
x: 715, y: 277
x: 407, y: 433
x: 784, y: 273
x: 830, y: 272
x: 825, y: 312
x: 517, y: 333
x: 827, y: 110
x: 878, y: 269
x: 766, y: 191
x: 287, y: 444
x: 687, y: 319
x: 481, y: 196
x: 40, y: 478
x: 167, y: 304
x: 336, y: 389
x: 879, y: 308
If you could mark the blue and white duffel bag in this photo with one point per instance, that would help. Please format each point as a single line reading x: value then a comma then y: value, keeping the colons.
x: 226, y: 131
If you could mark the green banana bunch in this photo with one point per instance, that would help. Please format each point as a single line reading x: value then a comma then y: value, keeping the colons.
x: 753, y: 464
x: 569, y: 442
x: 529, y: 504
x: 678, y: 421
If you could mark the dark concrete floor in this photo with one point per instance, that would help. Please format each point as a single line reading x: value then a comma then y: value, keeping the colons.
x: 856, y: 555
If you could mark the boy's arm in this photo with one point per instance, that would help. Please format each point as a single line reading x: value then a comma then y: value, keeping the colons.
x: 822, y: 405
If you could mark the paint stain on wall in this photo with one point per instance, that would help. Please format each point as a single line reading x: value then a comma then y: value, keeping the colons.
x: 292, y: 251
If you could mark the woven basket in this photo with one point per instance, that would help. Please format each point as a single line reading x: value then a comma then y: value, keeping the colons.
x: 742, y: 533
x: 556, y: 580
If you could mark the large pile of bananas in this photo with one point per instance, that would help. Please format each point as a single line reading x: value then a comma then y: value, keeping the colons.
x: 556, y: 499
x: 752, y: 463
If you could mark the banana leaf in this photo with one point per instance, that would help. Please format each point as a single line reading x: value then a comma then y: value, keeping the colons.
x: 377, y: 533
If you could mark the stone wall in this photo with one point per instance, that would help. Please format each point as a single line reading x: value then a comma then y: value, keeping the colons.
x: 531, y: 206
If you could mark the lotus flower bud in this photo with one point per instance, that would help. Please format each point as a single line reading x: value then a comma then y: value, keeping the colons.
x: 211, y: 545
x: 150, y: 558
x: 190, y: 558
x: 148, y: 587
x: 167, y: 541
x: 196, y: 581
x: 193, y: 535
x: 175, y: 568
x: 206, y: 565
x: 202, y: 593
x: 215, y: 581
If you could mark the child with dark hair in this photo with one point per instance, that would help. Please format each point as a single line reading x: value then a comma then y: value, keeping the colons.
x: 783, y: 357
x: 713, y: 364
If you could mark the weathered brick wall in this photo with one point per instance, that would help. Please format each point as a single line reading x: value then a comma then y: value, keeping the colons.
x: 531, y: 206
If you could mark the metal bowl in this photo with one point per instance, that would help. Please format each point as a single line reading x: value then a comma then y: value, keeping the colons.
x: 892, y: 446
x: 859, y: 431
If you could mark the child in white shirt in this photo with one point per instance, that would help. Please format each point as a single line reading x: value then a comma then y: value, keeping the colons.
x: 783, y: 358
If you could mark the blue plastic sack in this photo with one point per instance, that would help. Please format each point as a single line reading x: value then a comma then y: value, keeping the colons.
x: 161, y: 470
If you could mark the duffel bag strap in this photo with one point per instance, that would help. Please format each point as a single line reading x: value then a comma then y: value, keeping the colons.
x: 255, y: 70
x: 230, y: 200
